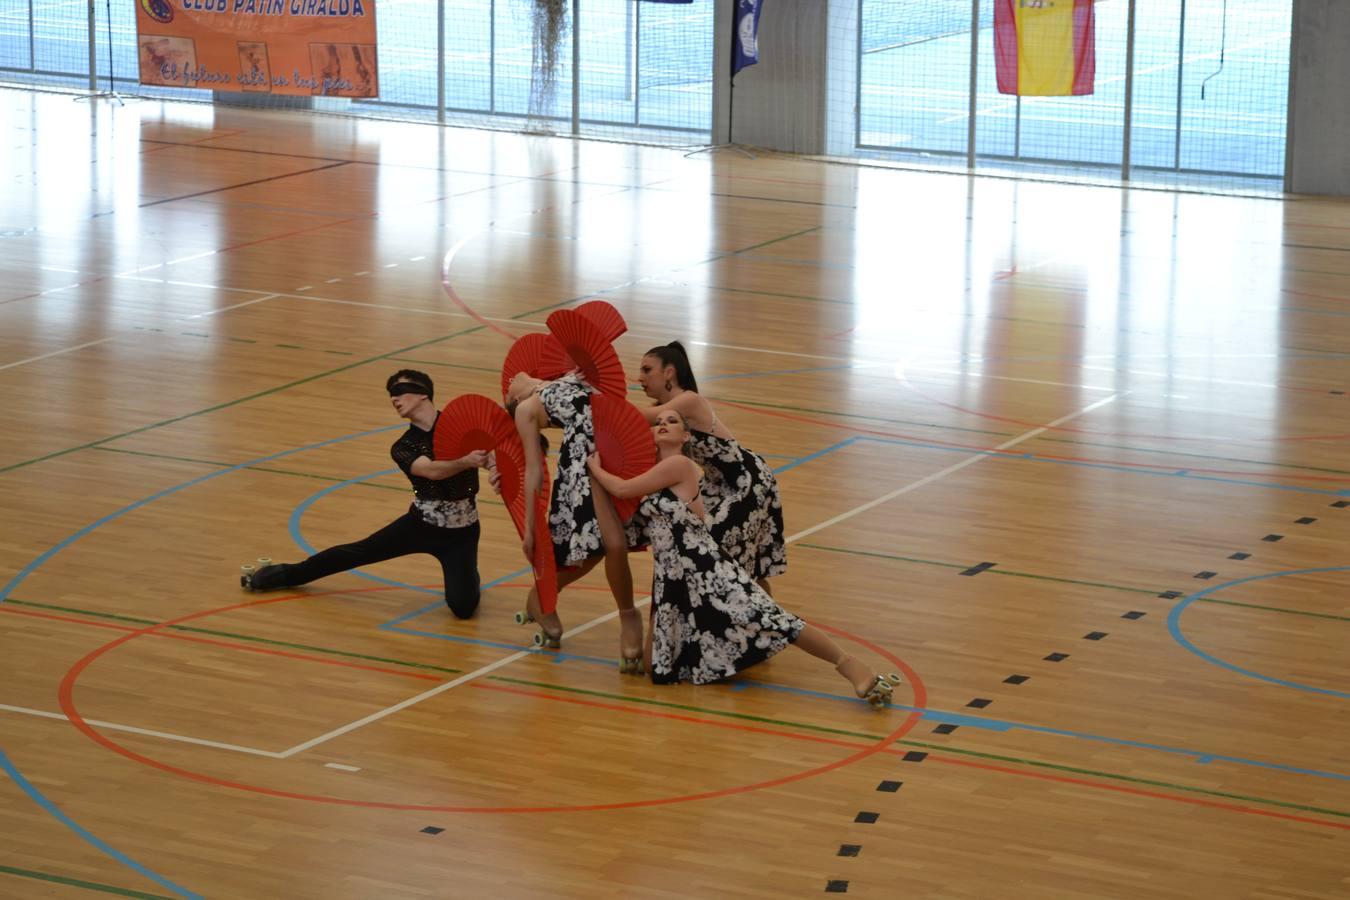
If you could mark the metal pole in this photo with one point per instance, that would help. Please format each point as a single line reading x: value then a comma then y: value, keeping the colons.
x: 1017, y: 128
x: 858, y: 76
x: 629, y: 10
x: 1129, y: 96
x: 974, y: 81
x: 1181, y: 80
x: 637, y: 62
x: 576, y: 67
x: 492, y: 56
x: 32, y: 46
x: 440, y: 62
x: 93, y: 58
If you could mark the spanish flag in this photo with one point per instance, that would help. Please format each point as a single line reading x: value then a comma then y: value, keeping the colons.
x: 1044, y: 48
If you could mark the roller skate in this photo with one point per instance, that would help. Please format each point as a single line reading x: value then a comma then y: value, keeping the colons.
x: 549, y: 635
x: 262, y: 576
x: 630, y: 642
x: 875, y: 689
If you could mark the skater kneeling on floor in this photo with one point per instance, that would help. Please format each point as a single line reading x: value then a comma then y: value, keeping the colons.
x: 442, y: 521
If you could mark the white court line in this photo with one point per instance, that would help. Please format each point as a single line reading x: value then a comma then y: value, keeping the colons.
x: 1082, y: 387
x: 342, y: 767
x: 215, y: 312
x: 507, y: 660
x: 969, y: 461
x: 55, y: 353
x: 112, y: 726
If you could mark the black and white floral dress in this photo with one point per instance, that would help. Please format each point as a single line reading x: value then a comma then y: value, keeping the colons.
x: 745, y: 512
x: 571, y: 512
x: 709, y: 618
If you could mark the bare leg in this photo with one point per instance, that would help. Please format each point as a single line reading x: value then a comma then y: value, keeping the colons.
x: 764, y: 585
x: 620, y: 578
x: 868, y: 685
x: 550, y: 625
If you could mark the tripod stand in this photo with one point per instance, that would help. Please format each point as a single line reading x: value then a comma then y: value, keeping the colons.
x: 94, y: 92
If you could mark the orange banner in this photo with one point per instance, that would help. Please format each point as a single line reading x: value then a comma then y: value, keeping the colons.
x: 324, y: 47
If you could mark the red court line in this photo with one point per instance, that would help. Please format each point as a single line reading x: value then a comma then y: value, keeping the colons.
x: 1121, y: 789
x: 1064, y: 779
x: 67, y: 689
x: 247, y: 648
x: 1129, y: 434
x: 733, y: 726
x: 928, y: 439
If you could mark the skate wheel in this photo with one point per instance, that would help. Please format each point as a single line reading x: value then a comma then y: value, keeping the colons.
x: 894, y: 678
x: 523, y: 618
x: 264, y: 561
x: 539, y: 639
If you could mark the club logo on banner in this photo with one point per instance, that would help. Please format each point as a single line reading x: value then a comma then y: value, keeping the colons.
x: 323, y: 47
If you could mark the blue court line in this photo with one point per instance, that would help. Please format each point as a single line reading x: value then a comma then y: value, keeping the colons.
x: 819, y: 453
x: 1174, y: 628
x: 37, y: 797
x: 1132, y: 470
x: 732, y: 375
x: 927, y: 713
x: 1004, y: 725
x: 294, y: 525
x: 15, y: 775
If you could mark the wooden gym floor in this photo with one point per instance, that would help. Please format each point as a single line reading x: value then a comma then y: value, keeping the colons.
x: 1072, y: 459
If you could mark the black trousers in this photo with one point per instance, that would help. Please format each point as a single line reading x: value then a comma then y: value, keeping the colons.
x: 455, y: 548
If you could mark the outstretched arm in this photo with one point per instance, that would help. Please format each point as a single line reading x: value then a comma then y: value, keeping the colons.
x: 440, y: 469
x: 671, y: 472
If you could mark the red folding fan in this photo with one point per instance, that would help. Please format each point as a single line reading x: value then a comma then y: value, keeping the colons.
x: 537, y: 355
x: 473, y: 422
x: 624, y: 441
x: 586, y: 344
x: 605, y: 317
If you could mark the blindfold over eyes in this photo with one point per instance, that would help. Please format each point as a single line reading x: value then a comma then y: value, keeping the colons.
x: 408, y: 387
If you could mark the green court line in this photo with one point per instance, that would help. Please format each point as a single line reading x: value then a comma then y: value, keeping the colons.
x: 430, y: 362
x: 1100, y: 584
x: 75, y: 882
x: 925, y: 745
x: 1292, y: 612
x: 629, y: 284
x: 239, y: 637
x: 224, y: 465
x: 254, y: 396
x: 1254, y: 462
x: 821, y: 729
x: 844, y: 415
x: 289, y: 346
x: 994, y: 571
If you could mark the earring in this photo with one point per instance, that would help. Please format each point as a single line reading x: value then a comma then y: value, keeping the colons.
x: 669, y: 386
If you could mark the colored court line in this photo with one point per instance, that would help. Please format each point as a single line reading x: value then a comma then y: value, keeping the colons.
x: 1174, y: 628
x: 1209, y: 456
x: 244, y: 648
x: 909, y: 440
x: 546, y: 691
x: 238, y: 637
x: 932, y: 747
x: 994, y: 571
x: 67, y: 688
x: 55, y: 811
x: 1114, y: 587
x: 8, y: 588
x: 219, y: 406
x: 904, y: 379
x: 79, y: 883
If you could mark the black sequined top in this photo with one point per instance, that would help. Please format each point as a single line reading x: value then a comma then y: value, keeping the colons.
x: 453, y: 495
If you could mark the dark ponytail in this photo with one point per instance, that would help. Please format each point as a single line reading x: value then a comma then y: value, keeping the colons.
x: 673, y: 354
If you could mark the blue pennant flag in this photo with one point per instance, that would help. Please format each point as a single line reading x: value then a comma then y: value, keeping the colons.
x: 745, y: 48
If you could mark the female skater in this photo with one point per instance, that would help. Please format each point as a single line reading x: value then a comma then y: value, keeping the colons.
x: 583, y: 525
x: 709, y: 618
x: 745, y: 514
